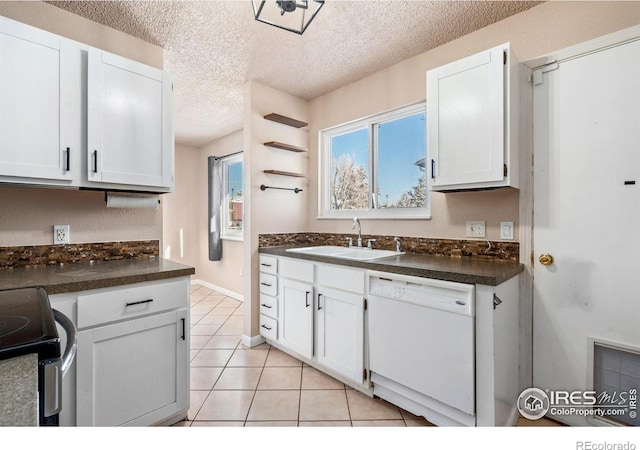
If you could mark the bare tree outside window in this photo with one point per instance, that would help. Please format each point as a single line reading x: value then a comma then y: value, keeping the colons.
x: 349, y: 184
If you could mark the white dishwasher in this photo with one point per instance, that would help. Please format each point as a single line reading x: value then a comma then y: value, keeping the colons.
x: 421, y: 346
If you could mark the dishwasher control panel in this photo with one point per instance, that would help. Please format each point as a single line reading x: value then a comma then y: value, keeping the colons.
x: 443, y: 295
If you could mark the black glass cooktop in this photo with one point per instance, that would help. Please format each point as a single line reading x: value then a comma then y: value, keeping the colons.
x: 27, y: 324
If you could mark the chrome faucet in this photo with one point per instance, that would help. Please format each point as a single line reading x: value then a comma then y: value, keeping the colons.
x: 397, y: 239
x: 353, y: 226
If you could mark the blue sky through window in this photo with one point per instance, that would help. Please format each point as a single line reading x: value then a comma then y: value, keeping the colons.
x: 401, y: 143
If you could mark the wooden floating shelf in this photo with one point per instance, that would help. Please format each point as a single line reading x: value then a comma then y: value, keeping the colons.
x: 280, y: 145
x: 286, y: 120
x: 286, y: 174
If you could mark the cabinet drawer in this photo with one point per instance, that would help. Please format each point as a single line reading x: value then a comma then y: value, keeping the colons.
x: 268, y: 284
x: 296, y: 269
x: 268, y: 327
x: 268, y: 264
x: 339, y: 277
x: 121, y: 303
x: 269, y: 306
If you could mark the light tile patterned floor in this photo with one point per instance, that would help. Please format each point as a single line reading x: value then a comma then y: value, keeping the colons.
x: 232, y: 385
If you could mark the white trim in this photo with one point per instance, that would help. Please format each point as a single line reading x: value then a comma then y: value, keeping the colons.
x: 594, y: 45
x: 219, y: 289
x: 226, y: 234
x: 324, y: 169
x: 252, y: 341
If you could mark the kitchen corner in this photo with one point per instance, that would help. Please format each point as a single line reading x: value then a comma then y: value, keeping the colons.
x: 134, y: 304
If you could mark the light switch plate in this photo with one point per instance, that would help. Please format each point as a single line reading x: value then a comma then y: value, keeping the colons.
x: 476, y: 229
x: 506, y: 230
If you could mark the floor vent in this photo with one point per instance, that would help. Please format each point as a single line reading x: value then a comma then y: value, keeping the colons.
x: 616, y: 381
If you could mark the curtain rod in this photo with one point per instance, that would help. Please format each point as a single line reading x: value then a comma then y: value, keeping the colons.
x: 229, y: 155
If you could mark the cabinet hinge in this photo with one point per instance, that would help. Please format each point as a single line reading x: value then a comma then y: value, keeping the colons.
x: 505, y: 171
x: 365, y: 303
x: 532, y: 259
x: 504, y: 57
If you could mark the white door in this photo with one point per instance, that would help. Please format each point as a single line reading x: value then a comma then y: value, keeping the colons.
x: 340, y: 332
x: 586, y: 213
x: 295, y: 330
x: 134, y: 372
x: 130, y: 136
x: 40, y: 98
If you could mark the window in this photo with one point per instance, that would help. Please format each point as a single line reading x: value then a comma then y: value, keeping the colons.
x: 376, y: 167
x: 232, y: 204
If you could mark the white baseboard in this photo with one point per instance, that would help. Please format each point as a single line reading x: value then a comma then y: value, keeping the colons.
x: 220, y: 289
x: 252, y: 341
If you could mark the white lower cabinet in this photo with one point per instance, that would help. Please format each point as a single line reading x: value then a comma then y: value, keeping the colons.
x: 132, y: 361
x: 131, y: 372
x: 340, y: 332
x: 296, y: 316
x: 319, y: 315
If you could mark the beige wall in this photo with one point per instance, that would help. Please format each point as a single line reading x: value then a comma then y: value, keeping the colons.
x: 179, y: 211
x: 270, y: 211
x: 226, y: 273
x: 186, y: 210
x: 540, y: 30
x: 28, y: 214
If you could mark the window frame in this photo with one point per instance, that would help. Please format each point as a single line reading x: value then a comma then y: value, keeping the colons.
x: 324, y: 168
x: 226, y: 234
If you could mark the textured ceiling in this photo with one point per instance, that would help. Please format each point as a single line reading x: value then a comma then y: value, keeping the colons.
x: 213, y: 47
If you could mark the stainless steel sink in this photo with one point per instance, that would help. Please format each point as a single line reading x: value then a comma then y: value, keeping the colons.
x: 353, y: 253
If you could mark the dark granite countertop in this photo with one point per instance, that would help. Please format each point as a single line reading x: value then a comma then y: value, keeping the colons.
x: 84, y: 276
x: 462, y: 270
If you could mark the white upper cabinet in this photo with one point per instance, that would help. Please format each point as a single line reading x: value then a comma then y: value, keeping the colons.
x: 40, y: 106
x: 130, y: 135
x: 76, y: 116
x: 471, y: 122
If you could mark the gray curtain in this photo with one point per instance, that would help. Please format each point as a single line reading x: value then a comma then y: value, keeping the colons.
x: 215, y: 208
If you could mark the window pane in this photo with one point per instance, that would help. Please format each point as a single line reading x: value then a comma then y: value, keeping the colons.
x: 234, y: 196
x: 349, y: 182
x: 401, y: 161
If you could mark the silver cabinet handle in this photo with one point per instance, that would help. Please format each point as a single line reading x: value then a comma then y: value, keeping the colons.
x: 266, y: 265
x: 307, y: 299
x: 266, y: 306
x: 319, y: 307
x: 265, y: 327
x: 266, y: 284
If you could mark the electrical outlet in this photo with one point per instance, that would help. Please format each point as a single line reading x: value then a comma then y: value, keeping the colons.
x: 476, y: 229
x: 61, y: 234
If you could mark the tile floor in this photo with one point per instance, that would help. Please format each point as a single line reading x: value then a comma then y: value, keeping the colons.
x: 234, y: 386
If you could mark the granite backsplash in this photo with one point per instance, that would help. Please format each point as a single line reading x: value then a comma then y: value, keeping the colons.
x: 49, y: 255
x: 504, y: 251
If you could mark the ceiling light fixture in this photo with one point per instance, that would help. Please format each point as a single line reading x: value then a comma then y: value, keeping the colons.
x: 294, y: 16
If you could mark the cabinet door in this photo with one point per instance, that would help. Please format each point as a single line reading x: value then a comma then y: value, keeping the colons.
x: 465, y: 120
x: 295, y: 327
x: 134, y: 372
x: 340, y: 332
x: 130, y: 135
x: 40, y: 97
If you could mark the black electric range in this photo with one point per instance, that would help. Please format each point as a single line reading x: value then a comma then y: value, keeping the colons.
x: 27, y: 325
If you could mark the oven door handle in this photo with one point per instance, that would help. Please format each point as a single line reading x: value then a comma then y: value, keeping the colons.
x: 72, y: 340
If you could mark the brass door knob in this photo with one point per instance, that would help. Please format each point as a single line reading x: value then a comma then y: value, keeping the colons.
x: 546, y: 259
